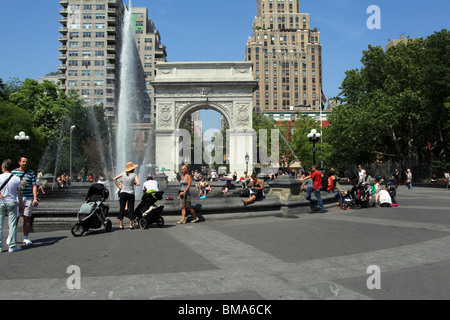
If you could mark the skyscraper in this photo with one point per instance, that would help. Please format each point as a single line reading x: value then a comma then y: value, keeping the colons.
x: 286, y: 56
x: 150, y: 49
x: 90, y: 51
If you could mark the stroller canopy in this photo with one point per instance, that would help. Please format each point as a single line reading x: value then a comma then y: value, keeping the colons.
x: 97, y: 192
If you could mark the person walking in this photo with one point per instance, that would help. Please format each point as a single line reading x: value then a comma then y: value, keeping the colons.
x: 447, y: 179
x: 409, y: 179
x: 10, y: 192
x: 185, y: 196
x: 127, y: 197
x: 29, y: 195
x: 316, y: 177
x: 396, y: 177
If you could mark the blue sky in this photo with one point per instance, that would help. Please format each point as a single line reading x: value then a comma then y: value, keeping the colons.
x: 213, y: 30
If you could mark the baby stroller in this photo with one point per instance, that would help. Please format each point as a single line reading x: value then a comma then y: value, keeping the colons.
x: 147, y: 213
x: 93, y: 212
x: 392, y: 192
x: 366, y: 191
x: 346, y: 201
x: 356, y: 195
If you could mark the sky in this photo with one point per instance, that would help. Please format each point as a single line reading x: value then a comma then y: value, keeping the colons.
x: 214, y: 30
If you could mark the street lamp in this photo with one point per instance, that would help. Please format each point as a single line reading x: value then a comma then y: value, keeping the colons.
x: 70, y: 169
x: 247, y: 158
x: 22, y: 139
x: 314, y: 137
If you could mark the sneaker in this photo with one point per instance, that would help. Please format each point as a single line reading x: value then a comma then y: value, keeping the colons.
x: 27, y: 242
x: 203, y: 197
x: 195, y: 220
x: 14, y: 249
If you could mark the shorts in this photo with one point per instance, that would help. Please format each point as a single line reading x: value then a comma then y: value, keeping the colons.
x: 27, y: 208
x: 185, y: 201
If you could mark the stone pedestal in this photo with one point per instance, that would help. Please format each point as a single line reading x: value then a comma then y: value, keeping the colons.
x: 162, y: 180
x: 288, y: 190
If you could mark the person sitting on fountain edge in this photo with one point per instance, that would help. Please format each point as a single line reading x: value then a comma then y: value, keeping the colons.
x: 256, y: 191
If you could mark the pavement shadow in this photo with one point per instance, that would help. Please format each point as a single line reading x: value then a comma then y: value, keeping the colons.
x: 44, y: 242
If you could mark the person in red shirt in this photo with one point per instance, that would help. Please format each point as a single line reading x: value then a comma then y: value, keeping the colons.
x: 330, y: 186
x: 316, y: 176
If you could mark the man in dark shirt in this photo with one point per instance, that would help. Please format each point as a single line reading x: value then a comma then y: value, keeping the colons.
x: 29, y: 194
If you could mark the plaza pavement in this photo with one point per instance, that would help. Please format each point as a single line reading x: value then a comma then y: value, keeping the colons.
x: 227, y: 257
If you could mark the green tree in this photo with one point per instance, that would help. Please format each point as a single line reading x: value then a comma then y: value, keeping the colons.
x: 261, y: 122
x: 394, y: 106
x: 48, y: 105
x: 3, y: 95
x: 298, y: 147
x: 12, y: 121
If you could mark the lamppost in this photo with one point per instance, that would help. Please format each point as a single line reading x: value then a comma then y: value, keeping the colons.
x: 314, y: 137
x: 70, y: 169
x: 22, y: 139
x: 283, y: 164
x: 247, y: 158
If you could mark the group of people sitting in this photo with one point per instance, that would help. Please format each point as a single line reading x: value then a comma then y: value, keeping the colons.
x: 252, y: 184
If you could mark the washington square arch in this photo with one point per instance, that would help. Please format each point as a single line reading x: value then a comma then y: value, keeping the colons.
x: 182, y: 88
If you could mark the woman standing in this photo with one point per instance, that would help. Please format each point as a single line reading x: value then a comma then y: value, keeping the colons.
x: 129, y: 179
x: 185, y: 196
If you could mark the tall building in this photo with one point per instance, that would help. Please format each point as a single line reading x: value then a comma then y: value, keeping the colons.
x: 150, y: 49
x: 90, y: 49
x: 286, y: 56
x: 393, y: 43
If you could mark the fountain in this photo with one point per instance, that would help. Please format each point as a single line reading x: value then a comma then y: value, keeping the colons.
x: 131, y: 101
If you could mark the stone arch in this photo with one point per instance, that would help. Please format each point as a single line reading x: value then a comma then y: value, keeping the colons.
x: 202, y: 106
x: 184, y: 87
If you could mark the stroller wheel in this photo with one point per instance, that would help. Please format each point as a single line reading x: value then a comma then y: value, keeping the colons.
x: 160, y: 222
x: 143, y: 223
x: 108, y: 225
x: 78, y: 230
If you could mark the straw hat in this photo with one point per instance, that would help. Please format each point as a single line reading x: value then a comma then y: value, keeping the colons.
x: 131, y: 166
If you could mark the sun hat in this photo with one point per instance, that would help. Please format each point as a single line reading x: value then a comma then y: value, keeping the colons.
x: 131, y: 166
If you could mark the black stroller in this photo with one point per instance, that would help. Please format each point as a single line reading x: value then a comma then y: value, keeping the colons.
x: 147, y: 213
x: 345, y: 200
x: 392, y: 192
x: 93, y: 212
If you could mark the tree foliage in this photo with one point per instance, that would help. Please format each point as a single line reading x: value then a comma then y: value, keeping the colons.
x: 46, y: 114
x: 395, y: 105
x: 296, y: 145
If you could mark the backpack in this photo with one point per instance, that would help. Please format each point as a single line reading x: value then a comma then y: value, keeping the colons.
x: 244, y: 193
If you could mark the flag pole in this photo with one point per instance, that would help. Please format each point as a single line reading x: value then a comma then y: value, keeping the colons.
x: 321, y: 122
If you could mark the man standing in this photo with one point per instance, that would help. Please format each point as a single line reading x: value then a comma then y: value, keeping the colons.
x: 316, y: 177
x: 10, y: 193
x: 150, y: 184
x: 361, y: 174
x: 29, y: 194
